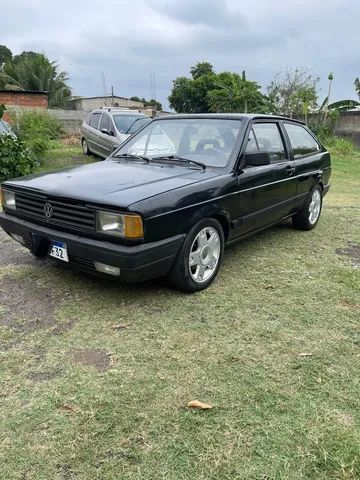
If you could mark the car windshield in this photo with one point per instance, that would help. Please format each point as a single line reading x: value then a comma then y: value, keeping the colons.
x: 125, y: 123
x: 205, y: 140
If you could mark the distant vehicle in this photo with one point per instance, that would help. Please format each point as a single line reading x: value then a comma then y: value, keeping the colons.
x: 5, y: 129
x: 106, y: 128
x: 172, y: 196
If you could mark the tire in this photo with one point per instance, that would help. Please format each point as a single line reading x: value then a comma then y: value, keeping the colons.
x: 85, y: 147
x: 204, y: 247
x: 308, y: 217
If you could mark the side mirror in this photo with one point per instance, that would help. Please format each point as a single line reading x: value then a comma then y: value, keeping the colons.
x: 105, y: 130
x: 256, y: 159
x: 111, y: 133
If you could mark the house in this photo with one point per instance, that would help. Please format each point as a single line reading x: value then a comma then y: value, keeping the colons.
x: 23, y: 99
x: 91, y: 103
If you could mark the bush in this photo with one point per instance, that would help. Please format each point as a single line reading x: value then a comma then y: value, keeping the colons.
x: 37, y: 130
x: 15, y: 158
x: 341, y: 145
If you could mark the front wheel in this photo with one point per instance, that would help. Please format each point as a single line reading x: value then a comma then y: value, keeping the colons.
x: 308, y: 216
x: 199, y: 258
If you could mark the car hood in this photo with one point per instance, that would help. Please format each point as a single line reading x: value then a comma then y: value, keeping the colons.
x: 117, y: 183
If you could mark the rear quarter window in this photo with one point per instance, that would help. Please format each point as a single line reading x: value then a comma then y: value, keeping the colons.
x: 302, y: 143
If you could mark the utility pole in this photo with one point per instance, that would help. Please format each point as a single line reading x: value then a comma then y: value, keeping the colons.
x: 112, y: 96
x: 103, y: 84
x: 330, y: 78
x: 152, y: 86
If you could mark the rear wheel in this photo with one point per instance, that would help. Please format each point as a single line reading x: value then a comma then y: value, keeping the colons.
x: 308, y: 216
x: 199, y: 258
x: 85, y: 147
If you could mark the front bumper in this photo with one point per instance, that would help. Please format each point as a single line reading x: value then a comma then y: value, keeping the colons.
x: 136, y: 262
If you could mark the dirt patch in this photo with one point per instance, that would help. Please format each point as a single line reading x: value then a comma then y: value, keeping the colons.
x: 26, y: 305
x: 62, y: 328
x: 352, y: 251
x: 345, y: 419
x: 96, y: 358
x: 42, y: 376
x: 12, y: 253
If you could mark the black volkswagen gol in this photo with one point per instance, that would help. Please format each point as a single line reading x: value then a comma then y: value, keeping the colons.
x: 172, y: 196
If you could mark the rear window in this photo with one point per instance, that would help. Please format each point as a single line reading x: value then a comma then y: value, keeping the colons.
x: 301, y: 141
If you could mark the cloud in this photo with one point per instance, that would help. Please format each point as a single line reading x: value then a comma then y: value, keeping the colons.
x: 212, y: 13
x: 127, y: 41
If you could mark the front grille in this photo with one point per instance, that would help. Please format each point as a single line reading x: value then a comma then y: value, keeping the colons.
x: 64, y: 214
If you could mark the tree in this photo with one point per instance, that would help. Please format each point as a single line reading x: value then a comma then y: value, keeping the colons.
x: 200, y: 69
x: 207, y: 91
x: 148, y: 103
x: 343, y: 105
x: 33, y: 71
x: 357, y: 86
x: 294, y: 92
x: 234, y: 93
x: 5, y: 54
x: 189, y: 95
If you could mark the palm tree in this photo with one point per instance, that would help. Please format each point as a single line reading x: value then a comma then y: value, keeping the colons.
x: 33, y: 71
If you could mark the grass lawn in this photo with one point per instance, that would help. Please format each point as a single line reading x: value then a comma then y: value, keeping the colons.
x: 274, y: 345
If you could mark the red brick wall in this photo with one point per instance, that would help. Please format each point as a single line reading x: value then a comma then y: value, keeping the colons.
x: 20, y: 99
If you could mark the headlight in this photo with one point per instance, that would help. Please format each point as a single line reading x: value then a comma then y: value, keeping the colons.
x: 126, y: 226
x: 8, y: 199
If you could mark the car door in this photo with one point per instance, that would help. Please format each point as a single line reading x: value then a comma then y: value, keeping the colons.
x: 306, y: 154
x: 266, y: 192
x: 104, y: 136
x: 92, y: 135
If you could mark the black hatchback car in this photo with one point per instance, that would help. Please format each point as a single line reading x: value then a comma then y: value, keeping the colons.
x: 170, y: 198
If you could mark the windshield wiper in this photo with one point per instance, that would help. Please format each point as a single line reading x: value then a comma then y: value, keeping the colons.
x: 180, y: 159
x: 127, y: 131
x: 128, y: 155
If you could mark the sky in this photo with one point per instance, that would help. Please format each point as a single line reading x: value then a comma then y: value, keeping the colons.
x: 124, y: 42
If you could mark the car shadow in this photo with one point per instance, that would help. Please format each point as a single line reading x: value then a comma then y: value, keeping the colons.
x: 150, y: 287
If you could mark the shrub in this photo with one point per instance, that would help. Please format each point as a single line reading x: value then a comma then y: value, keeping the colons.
x: 15, y: 158
x: 37, y: 130
x: 341, y: 145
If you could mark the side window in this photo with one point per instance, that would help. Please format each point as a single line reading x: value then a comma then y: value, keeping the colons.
x: 94, y: 121
x: 301, y: 141
x: 252, y: 145
x: 269, y: 140
x: 104, y: 122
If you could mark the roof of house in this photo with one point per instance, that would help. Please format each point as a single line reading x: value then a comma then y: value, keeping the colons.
x: 30, y: 92
x: 102, y: 96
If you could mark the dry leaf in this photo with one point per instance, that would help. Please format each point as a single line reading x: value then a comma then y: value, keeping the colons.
x: 119, y: 326
x: 200, y: 405
x: 69, y: 408
x: 305, y: 354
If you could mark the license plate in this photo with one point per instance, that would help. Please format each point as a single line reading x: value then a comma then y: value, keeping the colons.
x: 59, y: 250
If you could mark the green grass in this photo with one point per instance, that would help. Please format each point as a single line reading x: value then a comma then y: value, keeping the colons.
x: 277, y: 414
x: 62, y: 156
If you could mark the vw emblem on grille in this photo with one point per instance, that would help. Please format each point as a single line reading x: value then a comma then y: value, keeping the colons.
x: 48, y: 210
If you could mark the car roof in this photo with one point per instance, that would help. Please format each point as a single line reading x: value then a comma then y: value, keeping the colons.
x: 120, y: 110
x: 230, y: 116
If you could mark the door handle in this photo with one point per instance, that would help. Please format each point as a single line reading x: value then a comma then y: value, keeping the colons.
x: 290, y: 170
